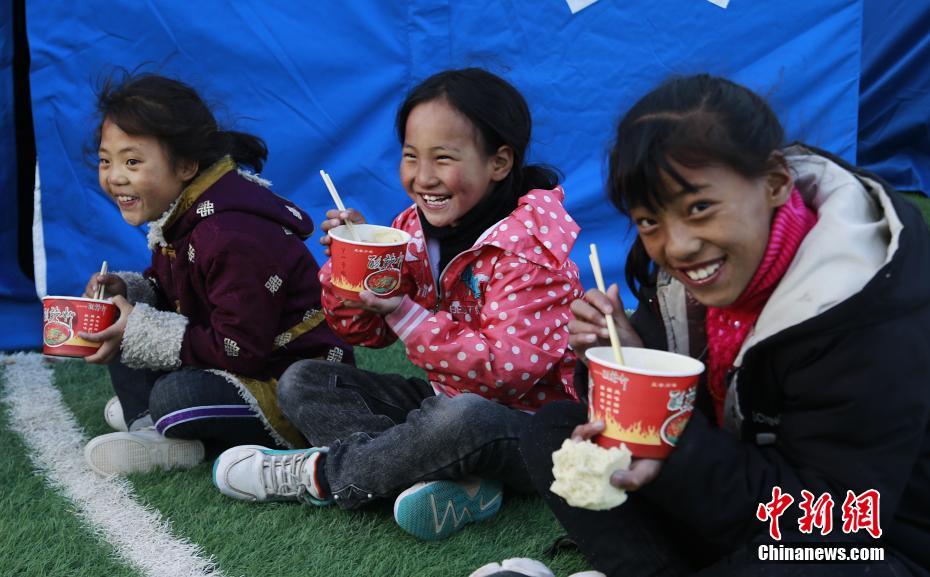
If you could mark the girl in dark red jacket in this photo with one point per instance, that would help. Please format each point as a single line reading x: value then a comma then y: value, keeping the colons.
x: 230, y: 300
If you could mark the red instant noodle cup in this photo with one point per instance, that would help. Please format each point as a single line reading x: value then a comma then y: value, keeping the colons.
x: 644, y: 403
x: 64, y: 317
x: 374, y: 262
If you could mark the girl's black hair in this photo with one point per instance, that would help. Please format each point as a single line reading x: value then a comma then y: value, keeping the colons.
x: 694, y: 121
x: 497, y: 110
x: 173, y: 112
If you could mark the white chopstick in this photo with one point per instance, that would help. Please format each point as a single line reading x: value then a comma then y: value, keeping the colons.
x: 332, y: 192
x: 611, y: 327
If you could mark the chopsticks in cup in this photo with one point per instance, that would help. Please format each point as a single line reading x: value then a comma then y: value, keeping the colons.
x: 332, y: 192
x: 611, y: 327
x: 98, y: 294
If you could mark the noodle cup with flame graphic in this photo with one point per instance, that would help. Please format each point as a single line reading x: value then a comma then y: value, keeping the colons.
x: 372, y: 263
x: 65, y: 317
x: 644, y: 403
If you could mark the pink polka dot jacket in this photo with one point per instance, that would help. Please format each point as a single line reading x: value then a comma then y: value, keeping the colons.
x: 497, y: 324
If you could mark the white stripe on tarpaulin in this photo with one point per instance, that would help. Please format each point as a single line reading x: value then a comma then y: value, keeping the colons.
x: 139, y: 535
x: 38, y: 239
x: 578, y: 5
x: 722, y: 3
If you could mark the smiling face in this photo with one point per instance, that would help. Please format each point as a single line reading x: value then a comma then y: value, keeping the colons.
x: 137, y: 173
x: 714, y: 237
x: 444, y: 168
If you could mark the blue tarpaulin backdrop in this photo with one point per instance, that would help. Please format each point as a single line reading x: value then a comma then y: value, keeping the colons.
x: 320, y: 81
x: 894, y: 107
x: 19, y: 309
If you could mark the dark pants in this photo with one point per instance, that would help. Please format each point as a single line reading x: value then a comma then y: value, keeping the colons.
x: 189, y: 404
x: 636, y: 539
x: 388, y: 432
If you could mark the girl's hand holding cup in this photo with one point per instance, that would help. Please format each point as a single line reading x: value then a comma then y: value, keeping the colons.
x: 641, y: 472
x: 334, y: 218
x: 110, y: 337
x: 112, y: 285
x: 589, y: 327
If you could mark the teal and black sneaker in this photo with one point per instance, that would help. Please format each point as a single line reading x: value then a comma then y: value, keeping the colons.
x: 436, y: 509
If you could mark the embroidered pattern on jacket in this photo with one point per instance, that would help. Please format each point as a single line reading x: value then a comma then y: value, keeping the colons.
x: 274, y: 283
x: 231, y: 346
x: 205, y: 209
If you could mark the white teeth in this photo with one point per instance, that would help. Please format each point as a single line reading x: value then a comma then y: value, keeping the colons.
x: 434, y: 199
x: 702, y: 273
x: 123, y: 198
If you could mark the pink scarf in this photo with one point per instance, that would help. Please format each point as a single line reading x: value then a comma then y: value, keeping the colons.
x: 728, y: 327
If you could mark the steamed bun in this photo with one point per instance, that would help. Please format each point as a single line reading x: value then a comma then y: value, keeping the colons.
x: 582, y: 474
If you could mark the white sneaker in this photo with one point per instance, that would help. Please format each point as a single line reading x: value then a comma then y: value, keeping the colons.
x: 255, y: 473
x: 525, y: 566
x: 113, y: 414
x: 520, y: 565
x: 139, y: 452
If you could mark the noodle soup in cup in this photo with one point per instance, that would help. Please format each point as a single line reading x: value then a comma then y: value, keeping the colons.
x: 373, y: 262
x: 64, y: 317
x: 645, y: 403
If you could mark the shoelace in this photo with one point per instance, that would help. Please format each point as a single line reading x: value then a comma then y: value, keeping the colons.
x: 282, y: 475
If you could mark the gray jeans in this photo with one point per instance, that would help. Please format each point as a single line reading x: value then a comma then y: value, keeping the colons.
x: 387, y: 432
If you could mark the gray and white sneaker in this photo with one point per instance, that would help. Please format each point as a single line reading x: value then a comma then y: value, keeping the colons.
x: 140, y: 452
x: 113, y: 414
x: 256, y: 473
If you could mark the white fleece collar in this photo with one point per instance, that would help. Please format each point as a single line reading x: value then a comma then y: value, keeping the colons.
x: 156, y: 233
x: 856, y: 234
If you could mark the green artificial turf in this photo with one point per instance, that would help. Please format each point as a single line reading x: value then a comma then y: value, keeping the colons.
x: 284, y: 539
x: 39, y: 533
x: 923, y: 203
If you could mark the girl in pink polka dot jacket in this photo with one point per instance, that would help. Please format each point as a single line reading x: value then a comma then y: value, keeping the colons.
x: 484, y: 311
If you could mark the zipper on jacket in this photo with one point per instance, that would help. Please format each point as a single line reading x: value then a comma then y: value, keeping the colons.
x: 476, y: 246
x: 439, y: 280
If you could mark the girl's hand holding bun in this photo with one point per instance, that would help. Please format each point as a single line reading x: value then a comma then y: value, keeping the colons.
x: 641, y: 471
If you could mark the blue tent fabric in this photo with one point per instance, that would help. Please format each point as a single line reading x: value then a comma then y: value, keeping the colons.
x: 321, y: 83
x: 894, y: 110
x: 19, y: 309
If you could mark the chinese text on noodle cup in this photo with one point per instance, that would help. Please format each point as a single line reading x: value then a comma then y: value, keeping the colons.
x: 645, y: 403
x: 65, y: 317
x: 373, y: 263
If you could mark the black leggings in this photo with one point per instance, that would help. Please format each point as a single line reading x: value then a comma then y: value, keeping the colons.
x: 189, y: 404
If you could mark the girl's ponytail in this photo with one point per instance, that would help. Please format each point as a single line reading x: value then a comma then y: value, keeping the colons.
x: 246, y: 149
x: 536, y: 176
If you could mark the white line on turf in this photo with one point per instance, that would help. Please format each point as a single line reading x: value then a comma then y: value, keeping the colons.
x: 138, y: 534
